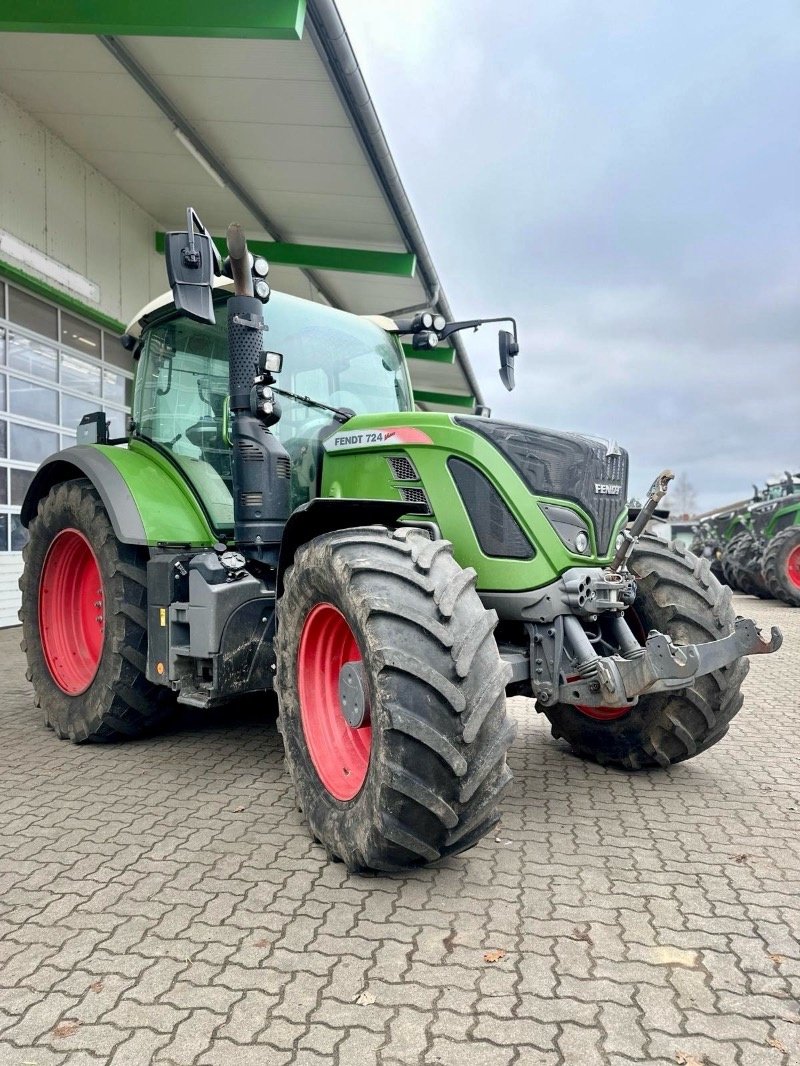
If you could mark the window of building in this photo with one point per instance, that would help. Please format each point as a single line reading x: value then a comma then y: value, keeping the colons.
x: 54, y: 368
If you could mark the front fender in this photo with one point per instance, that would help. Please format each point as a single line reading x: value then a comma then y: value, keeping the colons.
x: 147, y: 503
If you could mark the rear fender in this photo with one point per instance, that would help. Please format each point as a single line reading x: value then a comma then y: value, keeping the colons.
x: 146, y: 502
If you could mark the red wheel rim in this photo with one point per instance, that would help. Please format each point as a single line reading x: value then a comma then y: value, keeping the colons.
x: 71, y: 614
x: 610, y: 714
x: 339, y: 752
x: 793, y: 566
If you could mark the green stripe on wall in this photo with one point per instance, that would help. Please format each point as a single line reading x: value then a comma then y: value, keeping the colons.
x: 449, y: 399
x: 323, y: 257
x: 69, y: 303
x: 431, y: 355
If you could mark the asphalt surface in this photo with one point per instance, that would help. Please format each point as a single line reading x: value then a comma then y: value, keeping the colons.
x: 161, y: 902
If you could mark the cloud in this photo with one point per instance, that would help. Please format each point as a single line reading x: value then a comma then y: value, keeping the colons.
x: 622, y: 175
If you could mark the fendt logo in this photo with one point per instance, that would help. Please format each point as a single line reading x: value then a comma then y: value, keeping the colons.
x: 601, y: 488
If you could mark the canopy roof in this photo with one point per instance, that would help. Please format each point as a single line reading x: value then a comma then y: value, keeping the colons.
x: 261, y: 120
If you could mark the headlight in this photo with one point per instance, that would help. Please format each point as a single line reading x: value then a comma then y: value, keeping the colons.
x: 570, y: 527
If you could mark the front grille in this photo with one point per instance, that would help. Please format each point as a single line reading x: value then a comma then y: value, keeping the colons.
x: 498, y: 532
x: 564, y: 466
x: 402, y: 468
x: 415, y: 496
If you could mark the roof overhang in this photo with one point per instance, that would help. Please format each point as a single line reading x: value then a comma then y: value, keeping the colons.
x: 237, y: 111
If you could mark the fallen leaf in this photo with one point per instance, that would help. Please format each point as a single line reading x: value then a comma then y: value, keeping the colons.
x: 263, y: 943
x: 777, y: 959
x: 66, y: 1028
x: 741, y: 858
x: 238, y: 810
x: 773, y: 1042
x: 495, y: 955
x: 364, y: 999
x: 683, y: 1058
x: 96, y: 986
x: 581, y: 934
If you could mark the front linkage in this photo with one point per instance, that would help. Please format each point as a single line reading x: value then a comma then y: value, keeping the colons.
x: 564, y: 667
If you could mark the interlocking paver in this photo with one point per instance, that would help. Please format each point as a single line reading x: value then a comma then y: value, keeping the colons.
x: 146, y: 919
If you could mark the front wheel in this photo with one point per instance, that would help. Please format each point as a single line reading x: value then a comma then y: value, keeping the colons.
x: 392, y: 698
x: 677, y: 595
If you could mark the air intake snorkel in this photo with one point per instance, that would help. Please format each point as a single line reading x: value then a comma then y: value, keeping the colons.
x: 260, y: 465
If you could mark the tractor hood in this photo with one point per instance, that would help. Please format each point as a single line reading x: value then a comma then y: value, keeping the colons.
x: 587, y: 470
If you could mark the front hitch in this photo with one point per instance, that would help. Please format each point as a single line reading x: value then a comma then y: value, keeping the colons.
x: 662, y: 665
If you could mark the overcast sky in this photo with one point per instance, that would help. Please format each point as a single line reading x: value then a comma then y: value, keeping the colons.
x: 624, y: 177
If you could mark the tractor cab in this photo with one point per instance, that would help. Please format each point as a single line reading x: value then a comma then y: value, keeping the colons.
x: 332, y: 360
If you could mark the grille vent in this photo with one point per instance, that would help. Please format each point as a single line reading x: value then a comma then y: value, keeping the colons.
x: 563, y: 465
x: 402, y: 468
x: 415, y: 496
x: 283, y: 466
x: 496, y: 529
x: 251, y: 453
x: 251, y: 499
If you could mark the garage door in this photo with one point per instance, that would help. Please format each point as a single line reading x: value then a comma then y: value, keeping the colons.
x: 54, y: 367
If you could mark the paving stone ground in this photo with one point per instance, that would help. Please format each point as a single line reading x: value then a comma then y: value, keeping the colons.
x: 161, y: 902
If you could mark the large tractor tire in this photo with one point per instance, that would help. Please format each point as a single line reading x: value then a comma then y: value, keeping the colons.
x: 730, y: 566
x: 745, y: 564
x: 84, y: 622
x: 677, y: 595
x: 392, y: 698
x: 781, y: 566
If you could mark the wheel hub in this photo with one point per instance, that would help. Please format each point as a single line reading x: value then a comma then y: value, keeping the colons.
x: 353, y: 694
x: 793, y: 566
x: 334, y: 708
x: 71, y: 612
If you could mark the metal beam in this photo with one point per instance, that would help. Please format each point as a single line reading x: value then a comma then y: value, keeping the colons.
x: 431, y: 355
x: 325, y: 257
x: 445, y: 399
x: 168, y: 109
x: 262, y: 19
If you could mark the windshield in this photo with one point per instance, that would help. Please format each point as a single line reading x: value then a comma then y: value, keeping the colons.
x: 182, y: 390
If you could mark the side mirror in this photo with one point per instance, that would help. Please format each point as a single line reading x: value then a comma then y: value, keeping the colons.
x: 192, y: 261
x: 508, y: 350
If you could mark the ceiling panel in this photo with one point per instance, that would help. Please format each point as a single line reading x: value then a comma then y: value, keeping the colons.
x: 216, y: 58
x: 267, y: 108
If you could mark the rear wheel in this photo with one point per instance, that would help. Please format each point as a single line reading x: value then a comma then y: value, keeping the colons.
x: 392, y: 698
x: 781, y: 565
x: 677, y: 595
x: 84, y: 622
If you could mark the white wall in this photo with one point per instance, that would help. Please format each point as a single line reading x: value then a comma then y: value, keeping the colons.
x: 54, y: 200
x: 10, y: 570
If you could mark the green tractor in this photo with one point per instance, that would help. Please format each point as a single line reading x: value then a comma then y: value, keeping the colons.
x: 763, y: 558
x: 282, y: 519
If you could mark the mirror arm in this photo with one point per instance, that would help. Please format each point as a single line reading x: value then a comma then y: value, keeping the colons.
x: 474, y: 323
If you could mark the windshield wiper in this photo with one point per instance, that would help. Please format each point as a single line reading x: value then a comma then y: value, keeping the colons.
x: 341, y: 414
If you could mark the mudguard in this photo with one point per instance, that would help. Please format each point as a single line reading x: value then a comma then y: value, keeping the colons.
x: 147, y: 501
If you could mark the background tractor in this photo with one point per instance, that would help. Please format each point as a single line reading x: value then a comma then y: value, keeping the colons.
x: 391, y: 574
x: 763, y: 558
